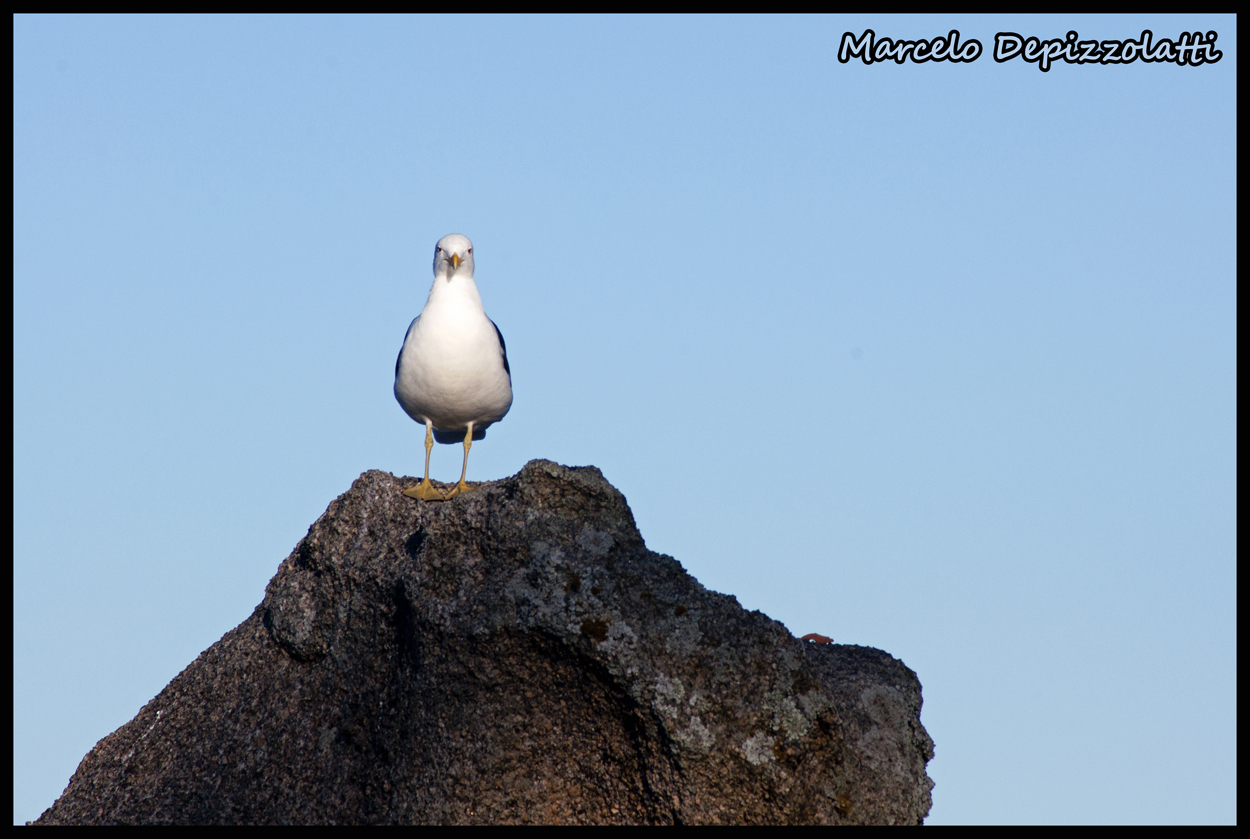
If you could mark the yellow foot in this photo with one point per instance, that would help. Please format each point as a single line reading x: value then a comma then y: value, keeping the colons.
x: 425, y: 491
x: 459, y: 489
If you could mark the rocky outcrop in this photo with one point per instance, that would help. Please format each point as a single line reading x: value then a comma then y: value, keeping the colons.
x: 515, y: 655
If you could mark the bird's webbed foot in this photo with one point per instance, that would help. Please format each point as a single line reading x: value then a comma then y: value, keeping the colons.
x: 425, y: 491
x: 459, y: 489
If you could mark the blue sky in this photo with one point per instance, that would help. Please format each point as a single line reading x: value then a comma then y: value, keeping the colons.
x: 937, y: 358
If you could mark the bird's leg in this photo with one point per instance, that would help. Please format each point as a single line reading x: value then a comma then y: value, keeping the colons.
x: 462, y: 486
x: 425, y: 490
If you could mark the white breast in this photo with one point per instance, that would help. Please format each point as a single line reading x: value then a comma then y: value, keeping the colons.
x: 451, y: 368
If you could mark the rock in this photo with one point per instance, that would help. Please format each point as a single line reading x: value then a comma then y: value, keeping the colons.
x: 515, y: 655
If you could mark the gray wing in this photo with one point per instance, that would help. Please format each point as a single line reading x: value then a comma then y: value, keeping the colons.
x: 409, y: 332
x: 503, y: 348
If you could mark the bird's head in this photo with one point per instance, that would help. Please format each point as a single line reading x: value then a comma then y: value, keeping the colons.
x: 452, y: 253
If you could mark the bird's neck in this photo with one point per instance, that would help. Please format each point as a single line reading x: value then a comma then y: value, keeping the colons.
x: 453, y: 290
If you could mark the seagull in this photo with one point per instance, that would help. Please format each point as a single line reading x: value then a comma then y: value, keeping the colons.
x: 452, y: 373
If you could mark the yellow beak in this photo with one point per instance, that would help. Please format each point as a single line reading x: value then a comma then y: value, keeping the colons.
x: 455, y: 261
